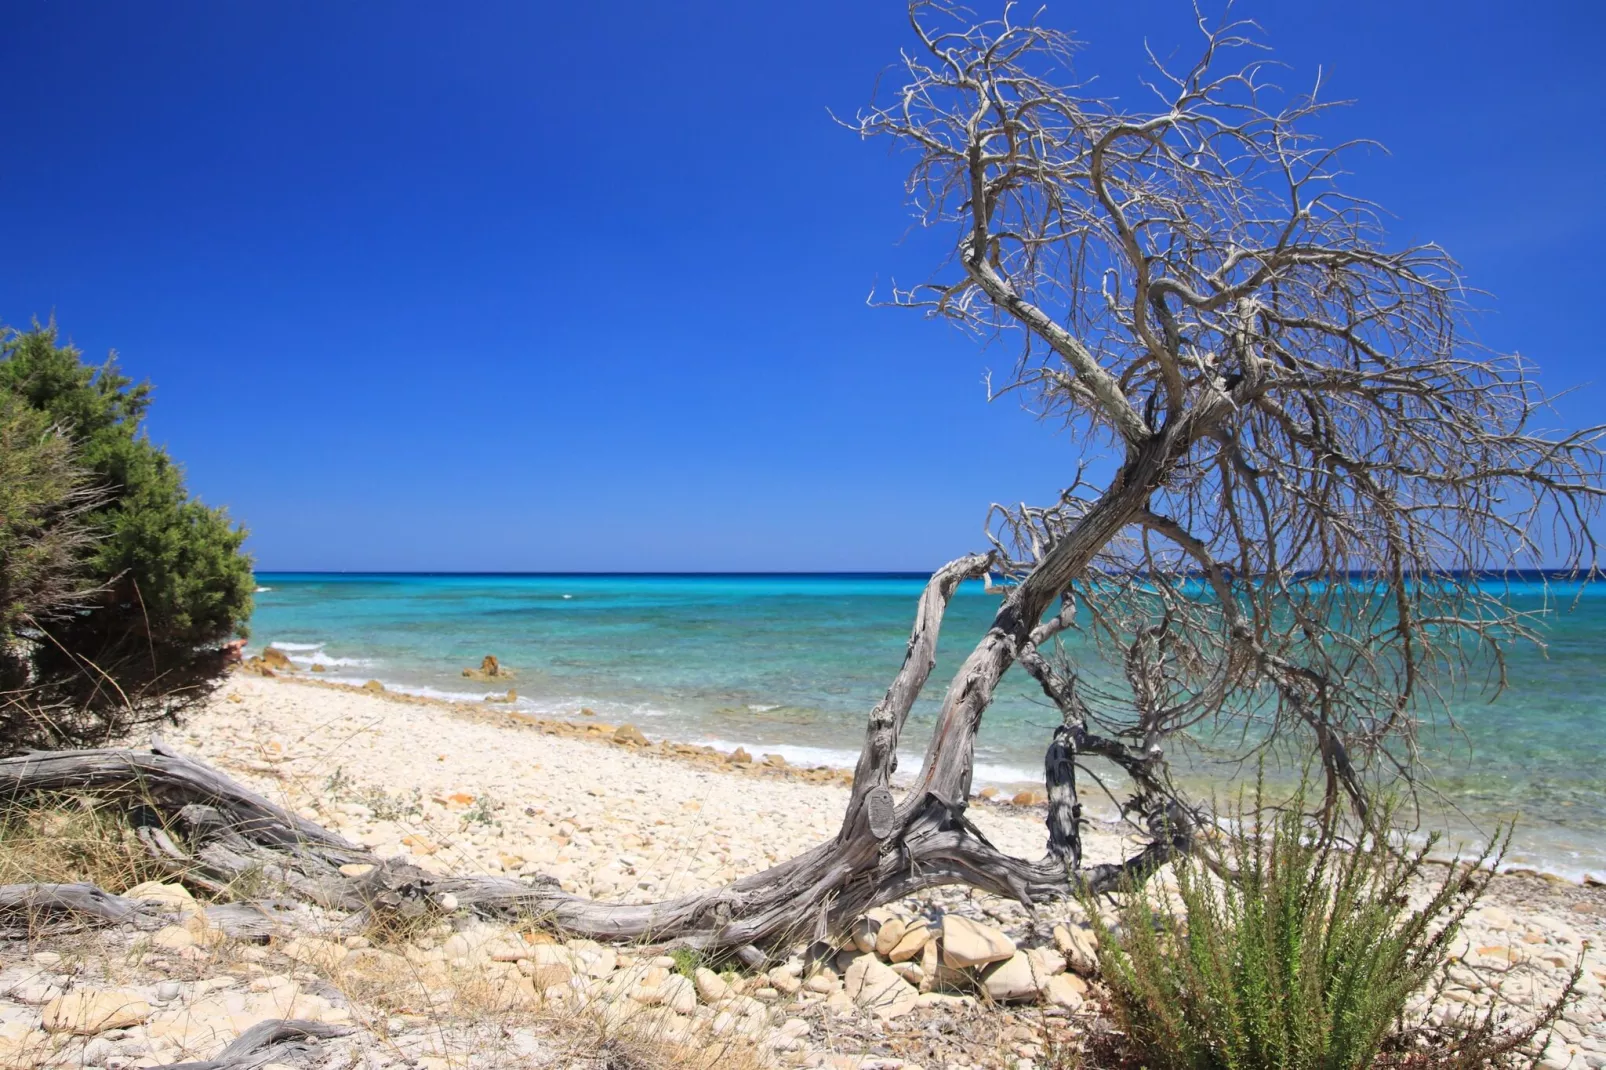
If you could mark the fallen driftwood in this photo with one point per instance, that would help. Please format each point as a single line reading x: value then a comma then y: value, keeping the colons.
x: 217, y: 831
x: 32, y: 907
x: 273, y: 1041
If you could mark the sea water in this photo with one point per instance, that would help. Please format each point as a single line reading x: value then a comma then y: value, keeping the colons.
x: 791, y: 664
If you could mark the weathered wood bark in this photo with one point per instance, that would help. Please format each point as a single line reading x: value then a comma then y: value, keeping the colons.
x: 288, y: 1041
x: 32, y: 908
x: 32, y: 905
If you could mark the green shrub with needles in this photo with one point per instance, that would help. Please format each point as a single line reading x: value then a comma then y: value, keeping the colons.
x: 1300, y: 946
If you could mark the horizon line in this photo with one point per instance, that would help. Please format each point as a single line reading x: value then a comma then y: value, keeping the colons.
x: 898, y: 573
x: 1549, y: 573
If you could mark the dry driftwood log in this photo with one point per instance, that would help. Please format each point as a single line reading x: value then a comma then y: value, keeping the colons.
x: 36, y: 908
x: 275, y: 1041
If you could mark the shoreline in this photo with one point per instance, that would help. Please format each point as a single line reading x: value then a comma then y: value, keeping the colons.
x: 1006, y: 797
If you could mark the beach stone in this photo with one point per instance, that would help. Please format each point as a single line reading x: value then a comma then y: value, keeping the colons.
x: 864, y: 934
x: 972, y: 943
x: 710, y: 985
x: 739, y: 756
x: 629, y: 734
x: 1080, y: 948
x: 22, y: 1047
x: 168, y: 896
x: 1014, y: 980
x: 172, y: 938
x: 871, y: 984
x: 87, y: 1011
x: 1065, y: 990
x: 914, y: 940
x: 274, y: 658
x: 356, y: 869
x: 892, y: 931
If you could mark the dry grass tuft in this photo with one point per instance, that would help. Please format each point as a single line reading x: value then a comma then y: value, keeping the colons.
x: 67, y: 838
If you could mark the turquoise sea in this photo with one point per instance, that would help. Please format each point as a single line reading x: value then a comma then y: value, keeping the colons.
x: 790, y: 664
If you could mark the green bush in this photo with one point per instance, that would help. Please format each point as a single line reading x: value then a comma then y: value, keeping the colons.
x: 43, y: 534
x: 171, y: 583
x: 1304, y: 957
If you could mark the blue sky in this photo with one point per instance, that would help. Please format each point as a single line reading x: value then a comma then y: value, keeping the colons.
x: 526, y: 286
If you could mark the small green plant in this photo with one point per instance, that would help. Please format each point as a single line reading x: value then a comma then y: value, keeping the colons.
x: 388, y: 807
x: 687, y: 961
x: 339, y: 783
x: 482, y: 812
x: 1302, y: 955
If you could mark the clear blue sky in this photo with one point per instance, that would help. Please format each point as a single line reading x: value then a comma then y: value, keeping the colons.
x: 581, y: 286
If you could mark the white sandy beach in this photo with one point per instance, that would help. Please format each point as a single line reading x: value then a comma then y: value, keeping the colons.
x: 617, y: 823
x: 461, y: 789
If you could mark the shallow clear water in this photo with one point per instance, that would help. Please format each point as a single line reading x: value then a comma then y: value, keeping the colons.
x: 791, y: 664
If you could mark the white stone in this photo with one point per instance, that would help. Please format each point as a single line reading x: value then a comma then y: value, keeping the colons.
x: 1065, y: 990
x: 1080, y: 947
x: 172, y: 938
x: 871, y: 984
x: 710, y: 985
x: 169, y: 896
x: 972, y: 943
x: 93, y: 1010
x: 678, y: 994
x: 913, y: 941
x: 1012, y: 980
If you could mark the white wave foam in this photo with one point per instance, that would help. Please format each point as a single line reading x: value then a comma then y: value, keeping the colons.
x: 436, y: 692
x: 796, y: 754
x: 309, y: 654
x: 1006, y: 775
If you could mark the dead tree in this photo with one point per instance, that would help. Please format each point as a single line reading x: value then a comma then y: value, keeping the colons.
x: 1304, y: 458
